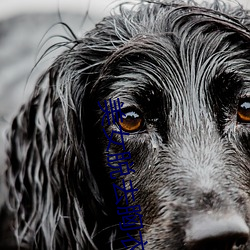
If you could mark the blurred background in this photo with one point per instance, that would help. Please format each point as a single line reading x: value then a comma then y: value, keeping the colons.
x: 25, y: 26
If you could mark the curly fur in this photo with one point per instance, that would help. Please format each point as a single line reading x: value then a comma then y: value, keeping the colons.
x: 184, y: 67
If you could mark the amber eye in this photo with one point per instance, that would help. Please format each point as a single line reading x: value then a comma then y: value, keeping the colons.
x: 243, y: 113
x: 131, y: 122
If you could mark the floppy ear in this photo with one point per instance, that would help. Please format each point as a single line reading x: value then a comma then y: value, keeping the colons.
x: 45, y: 170
x: 54, y: 196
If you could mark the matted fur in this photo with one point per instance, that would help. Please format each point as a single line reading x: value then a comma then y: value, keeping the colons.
x: 184, y: 67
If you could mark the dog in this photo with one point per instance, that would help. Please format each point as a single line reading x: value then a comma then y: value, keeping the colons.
x: 165, y: 85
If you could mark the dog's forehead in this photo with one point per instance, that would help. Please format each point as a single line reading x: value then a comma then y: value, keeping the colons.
x: 186, y: 66
x: 188, y: 62
x: 186, y: 54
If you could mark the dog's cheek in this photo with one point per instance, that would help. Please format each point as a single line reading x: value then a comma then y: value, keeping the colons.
x: 163, y: 215
x: 144, y: 158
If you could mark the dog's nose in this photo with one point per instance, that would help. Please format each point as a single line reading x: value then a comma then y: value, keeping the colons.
x: 217, y: 232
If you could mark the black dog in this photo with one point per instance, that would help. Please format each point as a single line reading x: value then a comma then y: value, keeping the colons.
x: 182, y: 76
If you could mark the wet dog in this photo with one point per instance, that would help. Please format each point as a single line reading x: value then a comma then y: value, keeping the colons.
x: 182, y: 75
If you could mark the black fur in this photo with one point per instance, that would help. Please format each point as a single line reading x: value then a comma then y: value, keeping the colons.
x: 184, y: 69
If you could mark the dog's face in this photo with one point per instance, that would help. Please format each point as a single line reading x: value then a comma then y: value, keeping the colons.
x: 186, y: 93
x: 183, y: 76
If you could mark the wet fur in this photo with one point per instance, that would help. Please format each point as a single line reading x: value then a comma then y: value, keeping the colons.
x: 184, y: 68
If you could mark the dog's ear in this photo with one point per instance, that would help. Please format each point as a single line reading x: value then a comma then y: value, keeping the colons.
x: 52, y: 189
x: 41, y: 164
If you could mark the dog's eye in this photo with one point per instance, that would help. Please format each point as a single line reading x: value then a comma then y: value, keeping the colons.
x: 243, y: 113
x: 131, y: 122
